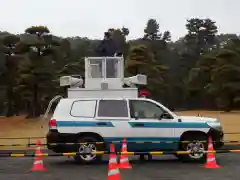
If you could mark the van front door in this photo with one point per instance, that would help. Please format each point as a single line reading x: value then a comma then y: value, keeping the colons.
x: 148, y: 125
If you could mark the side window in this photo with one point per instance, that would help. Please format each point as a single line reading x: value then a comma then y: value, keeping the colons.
x: 145, y: 109
x: 83, y: 109
x: 113, y: 108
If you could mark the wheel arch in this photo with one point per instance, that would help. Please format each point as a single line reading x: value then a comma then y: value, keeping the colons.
x: 91, y: 134
x: 192, y: 133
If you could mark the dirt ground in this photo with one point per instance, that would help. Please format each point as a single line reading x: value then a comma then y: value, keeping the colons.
x: 19, y: 127
x: 16, y: 127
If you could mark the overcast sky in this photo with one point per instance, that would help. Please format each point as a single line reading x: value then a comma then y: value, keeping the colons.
x: 92, y: 17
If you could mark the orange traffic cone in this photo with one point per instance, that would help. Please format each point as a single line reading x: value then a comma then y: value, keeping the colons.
x: 113, y: 171
x: 38, y: 162
x: 211, y: 160
x: 124, y: 163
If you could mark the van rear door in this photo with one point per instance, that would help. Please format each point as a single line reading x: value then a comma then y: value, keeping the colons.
x: 113, y: 116
x: 82, y: 116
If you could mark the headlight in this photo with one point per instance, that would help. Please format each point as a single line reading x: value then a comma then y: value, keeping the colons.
x: 216, y: 125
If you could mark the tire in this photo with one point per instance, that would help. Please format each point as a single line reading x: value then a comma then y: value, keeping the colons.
x: 79, y: 148
x: 185, y: 147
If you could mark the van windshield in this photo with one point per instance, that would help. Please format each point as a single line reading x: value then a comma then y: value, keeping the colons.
x: 163, y: 106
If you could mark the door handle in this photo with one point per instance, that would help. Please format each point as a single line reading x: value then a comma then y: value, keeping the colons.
x: 101, y: 123
x: 139, y: 124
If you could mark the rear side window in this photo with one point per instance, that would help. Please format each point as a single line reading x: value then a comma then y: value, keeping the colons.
x: 83, y: 108
x: 113, y: 108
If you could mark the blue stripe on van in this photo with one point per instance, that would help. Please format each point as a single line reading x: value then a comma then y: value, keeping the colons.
x: 169, y: 125
x: 83, y: 124
x: 132, y: 124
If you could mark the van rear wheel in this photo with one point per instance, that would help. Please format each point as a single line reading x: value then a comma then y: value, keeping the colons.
x: 87, y: 148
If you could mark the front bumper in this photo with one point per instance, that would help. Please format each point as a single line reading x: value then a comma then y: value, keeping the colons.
x: 217, y: 137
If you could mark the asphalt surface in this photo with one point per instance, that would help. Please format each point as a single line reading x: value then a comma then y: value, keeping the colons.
x: 161, y: 168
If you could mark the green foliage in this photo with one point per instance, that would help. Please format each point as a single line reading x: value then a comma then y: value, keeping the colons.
x: 201, y: 35
x: 139, y: 57
x: 11, y: 48
x: 225, y: 79
x: 219, y: 76
x: 152, y: 30
x: 37, y: 72
x: 37, y: 30
x: 141, y: 61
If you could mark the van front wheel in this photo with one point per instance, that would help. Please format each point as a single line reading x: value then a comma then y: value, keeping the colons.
x: 87, y: 148
x: 195, y: 146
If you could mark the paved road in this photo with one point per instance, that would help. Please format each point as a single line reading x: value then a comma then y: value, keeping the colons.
x: 161, y: 168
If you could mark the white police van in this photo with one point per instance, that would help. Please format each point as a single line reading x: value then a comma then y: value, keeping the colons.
x: 104, y: 111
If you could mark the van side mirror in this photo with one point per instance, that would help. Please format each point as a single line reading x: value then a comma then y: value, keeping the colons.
x: 165, y: 115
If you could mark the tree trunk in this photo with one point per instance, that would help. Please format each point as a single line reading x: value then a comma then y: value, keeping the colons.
x: 10, y: 101
x: 36, y: 109
x: 16, y: 108
x: 29, y: 110
x: 229, y: 106
x: 33, y: 109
